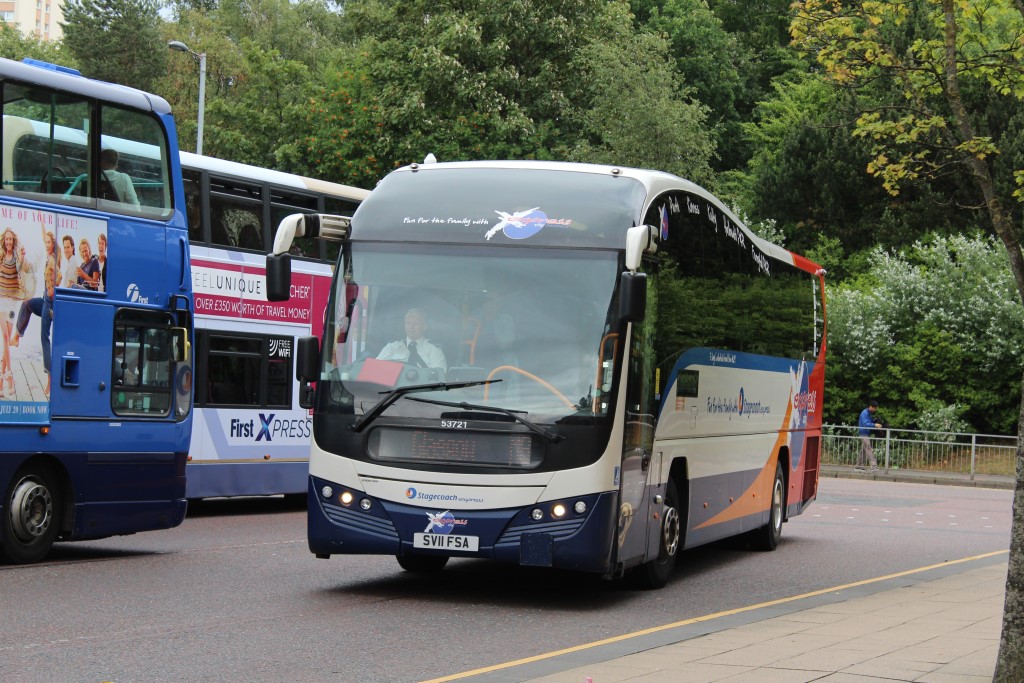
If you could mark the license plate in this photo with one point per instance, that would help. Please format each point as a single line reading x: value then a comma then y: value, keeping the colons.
x: 446, y: 542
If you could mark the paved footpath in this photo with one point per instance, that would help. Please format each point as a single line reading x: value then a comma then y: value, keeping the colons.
x: 939, y: 624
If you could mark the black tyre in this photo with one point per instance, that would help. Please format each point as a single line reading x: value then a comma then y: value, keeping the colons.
x: 31, y: 516
x: 422, y: 564
x: 767, y: 537
x: 656, y: 572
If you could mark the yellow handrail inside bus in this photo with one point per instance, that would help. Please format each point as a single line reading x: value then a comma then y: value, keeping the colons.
x: 529, y: 375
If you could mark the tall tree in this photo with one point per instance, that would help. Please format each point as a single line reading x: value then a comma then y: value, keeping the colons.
x: 640, y: 113
x: 16, y: 45
x: 708, y: 58
x: 116, y: 40
x: 482, y: 80
x: 962, y: 62
x: 808, y: 174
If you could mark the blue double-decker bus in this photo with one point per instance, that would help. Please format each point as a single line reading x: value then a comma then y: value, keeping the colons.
x: 95, y: 312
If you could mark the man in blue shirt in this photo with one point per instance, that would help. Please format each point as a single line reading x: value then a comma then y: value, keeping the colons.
x: 866, y: 424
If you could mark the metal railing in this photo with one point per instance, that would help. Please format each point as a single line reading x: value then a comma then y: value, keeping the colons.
x: 910, y: 449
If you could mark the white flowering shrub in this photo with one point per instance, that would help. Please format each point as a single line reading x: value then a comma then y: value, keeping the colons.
x: 935, y: 333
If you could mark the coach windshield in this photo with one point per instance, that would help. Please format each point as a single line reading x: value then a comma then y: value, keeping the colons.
x: 532, y: 326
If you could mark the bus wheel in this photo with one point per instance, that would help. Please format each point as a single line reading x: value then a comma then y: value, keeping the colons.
x: 422, y: 564
x: 656, y: 573
x: 767, y: 537
x: 31, y: 515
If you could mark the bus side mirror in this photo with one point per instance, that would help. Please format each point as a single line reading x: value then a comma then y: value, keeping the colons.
x: 632, y: 297
x: 279, y: 277
x: 307, y: 357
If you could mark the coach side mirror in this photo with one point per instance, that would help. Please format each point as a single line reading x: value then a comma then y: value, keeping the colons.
x: 632, y: 297
x: 307, y: 357
x: 279, y: 277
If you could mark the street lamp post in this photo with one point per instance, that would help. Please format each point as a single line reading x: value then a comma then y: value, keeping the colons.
x: 201, y: 58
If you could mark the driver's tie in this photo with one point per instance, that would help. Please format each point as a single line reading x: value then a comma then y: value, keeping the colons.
x: 414, y: 357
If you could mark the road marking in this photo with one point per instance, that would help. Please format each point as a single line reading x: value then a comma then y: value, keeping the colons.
x: 706, y: 617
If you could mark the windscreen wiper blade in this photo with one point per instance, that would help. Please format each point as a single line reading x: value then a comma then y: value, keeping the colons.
x: 550, y: 436
x: 398, y: 392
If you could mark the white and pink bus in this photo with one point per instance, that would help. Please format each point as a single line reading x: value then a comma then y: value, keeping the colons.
x: 250, y: 437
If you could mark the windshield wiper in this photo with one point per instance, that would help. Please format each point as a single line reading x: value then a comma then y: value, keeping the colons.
x: 550, y: 436
x: 398, y: 392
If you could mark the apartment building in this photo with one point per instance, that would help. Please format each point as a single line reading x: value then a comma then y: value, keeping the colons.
x: 34, y: 17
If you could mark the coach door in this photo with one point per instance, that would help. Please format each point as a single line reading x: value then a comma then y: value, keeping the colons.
x: 636, y: 522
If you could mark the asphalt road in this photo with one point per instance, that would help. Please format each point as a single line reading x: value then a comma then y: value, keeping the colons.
x: 234, y: 594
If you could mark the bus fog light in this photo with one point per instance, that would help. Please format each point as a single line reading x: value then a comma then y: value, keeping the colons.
x: 580, y: 507
x: 558, y: 511
x: 346, y: 498
x: 537, y: 515
x: 327, y: 492
x: 365, y: 503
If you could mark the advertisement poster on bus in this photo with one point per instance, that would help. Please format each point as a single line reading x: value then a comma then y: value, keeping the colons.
x: 238, y: 290
x: 41, y: 250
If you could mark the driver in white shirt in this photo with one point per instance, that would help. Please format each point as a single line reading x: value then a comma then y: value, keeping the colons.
x: 415, y: 349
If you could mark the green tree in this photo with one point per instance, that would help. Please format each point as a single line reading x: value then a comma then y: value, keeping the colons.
x: 116, y: 40
x: 809, y: 173
x: 639, y: 113
x: 708, y: 58
x: 257, y: 96
x: 16, y: 45
x: 962, y: 63
x: 487, y: 81
x: 258, y: 123
x: 929, y: 330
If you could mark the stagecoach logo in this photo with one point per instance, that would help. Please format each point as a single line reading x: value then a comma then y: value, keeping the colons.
x: 523, y: 224
x: 413, y: 494
x: 739, y: 406
x: 442, y: 522
x: 134, y: 295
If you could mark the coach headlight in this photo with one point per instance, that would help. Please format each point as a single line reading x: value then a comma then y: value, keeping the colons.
x: 327, y: 492
x: 558, y: 510
x: 346, y: 497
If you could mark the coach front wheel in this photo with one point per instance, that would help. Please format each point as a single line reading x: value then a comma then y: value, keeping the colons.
x: 31, y: 516
x: 656, y: 573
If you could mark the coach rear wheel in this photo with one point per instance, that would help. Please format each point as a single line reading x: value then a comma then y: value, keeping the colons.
x: 767, y: 537
x: 31, y: 512
x: 422, y: 564
x: 656, y: 573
